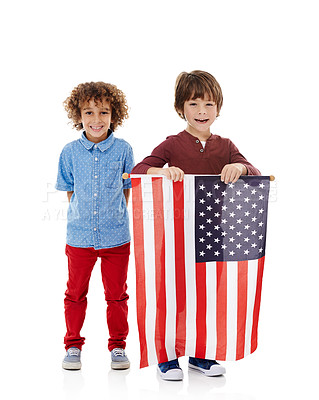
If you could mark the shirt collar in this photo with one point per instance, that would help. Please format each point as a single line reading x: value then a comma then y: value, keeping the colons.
x: 104, y: 145
x: 193, y: 138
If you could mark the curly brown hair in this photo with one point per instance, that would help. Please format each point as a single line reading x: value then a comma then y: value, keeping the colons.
x: 98, y: 91
x: 195, y: 85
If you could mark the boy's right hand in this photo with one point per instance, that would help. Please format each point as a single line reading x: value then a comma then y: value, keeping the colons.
x: 173, y: 173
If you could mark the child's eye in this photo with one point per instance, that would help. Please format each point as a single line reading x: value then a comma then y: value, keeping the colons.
x: 104, y: 113
x: 88, y: 112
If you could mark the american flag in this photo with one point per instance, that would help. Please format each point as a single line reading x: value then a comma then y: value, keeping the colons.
x: 199, y: 253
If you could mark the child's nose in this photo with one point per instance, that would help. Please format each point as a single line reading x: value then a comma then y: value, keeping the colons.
x: 96, y: 118
x: 202, y: 110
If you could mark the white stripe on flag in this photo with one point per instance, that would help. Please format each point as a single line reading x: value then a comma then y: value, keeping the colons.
x: 211, y: 310
x: 232, y: 274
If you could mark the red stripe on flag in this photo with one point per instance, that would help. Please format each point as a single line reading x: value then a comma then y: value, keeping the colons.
x: 159, y: 242
x: 221, y: 310
x: 201, y: 308
x: 241, y: 308
x: 138, y: 232
x: 261, y: 262
x: 178, y: 201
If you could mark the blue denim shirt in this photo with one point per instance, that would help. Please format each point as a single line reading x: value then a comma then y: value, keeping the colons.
x: 97, y: 214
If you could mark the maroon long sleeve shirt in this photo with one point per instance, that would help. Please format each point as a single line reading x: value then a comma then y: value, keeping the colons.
x: 187, y: 153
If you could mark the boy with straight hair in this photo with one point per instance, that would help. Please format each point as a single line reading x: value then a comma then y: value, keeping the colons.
x: 198, y: 100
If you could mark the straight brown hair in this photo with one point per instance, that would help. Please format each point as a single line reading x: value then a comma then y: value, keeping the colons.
x: 194, y: 85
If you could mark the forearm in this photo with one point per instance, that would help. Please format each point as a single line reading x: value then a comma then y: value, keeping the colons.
x: 237, y: 158
x: 157, y: 159
x: 244, y: 170
x: 250, y: 169
x: 127, y: 193
x: 147, y: 163
x: 69, y: 194
x: 154, y: 171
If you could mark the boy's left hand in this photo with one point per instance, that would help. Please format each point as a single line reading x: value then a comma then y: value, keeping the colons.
x: 232, y: 172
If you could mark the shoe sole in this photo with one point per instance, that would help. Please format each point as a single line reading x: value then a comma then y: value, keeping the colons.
x: 120, y: 365
x: 171, y: 375
x: 71, y: 366
x: 218, y: 370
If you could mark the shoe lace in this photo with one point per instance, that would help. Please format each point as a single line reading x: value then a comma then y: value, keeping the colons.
x: 74, y: 352
x: 118, y: 352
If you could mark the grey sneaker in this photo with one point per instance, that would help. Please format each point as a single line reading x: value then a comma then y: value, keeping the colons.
x: 119, y: 359
x: 72, y: 359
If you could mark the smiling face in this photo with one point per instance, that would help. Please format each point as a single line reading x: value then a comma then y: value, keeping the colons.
x: 200, y: 114
x: 96, y: 119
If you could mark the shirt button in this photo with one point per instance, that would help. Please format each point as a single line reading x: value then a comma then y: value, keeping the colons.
x: 95, y: 212
x: 201, y: 150
x: 197, y: 141
x: 95, y: 177
x: 95, y: 194
x: 95, y: 229
x: 95, y: 146
x: 96, y: 158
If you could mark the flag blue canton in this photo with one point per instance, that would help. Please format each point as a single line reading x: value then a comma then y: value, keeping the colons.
x: 230, y: 220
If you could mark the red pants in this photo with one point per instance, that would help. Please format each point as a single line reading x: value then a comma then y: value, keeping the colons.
x: 114, y: 263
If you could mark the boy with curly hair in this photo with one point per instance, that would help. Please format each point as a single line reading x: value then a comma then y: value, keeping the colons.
x: 90, y: 171
x: 198, y: 100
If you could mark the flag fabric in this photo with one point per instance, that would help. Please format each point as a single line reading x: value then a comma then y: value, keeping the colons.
x: 199, y: 253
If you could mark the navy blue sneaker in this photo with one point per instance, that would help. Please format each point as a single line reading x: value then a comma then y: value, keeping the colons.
x: 170, y: 370
x: 206, y: 367
x: 72, y: 359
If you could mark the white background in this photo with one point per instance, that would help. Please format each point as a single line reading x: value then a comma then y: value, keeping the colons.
x: 265, y: 56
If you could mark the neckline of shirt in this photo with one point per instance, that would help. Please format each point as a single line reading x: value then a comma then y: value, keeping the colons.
x: 194, y: 138
x: 104, y: 145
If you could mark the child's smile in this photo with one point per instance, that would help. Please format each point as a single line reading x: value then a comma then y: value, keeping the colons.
x: 200, y: 114
x: 96, y: 119
x: 201, y: 121
x: 96, y: 128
